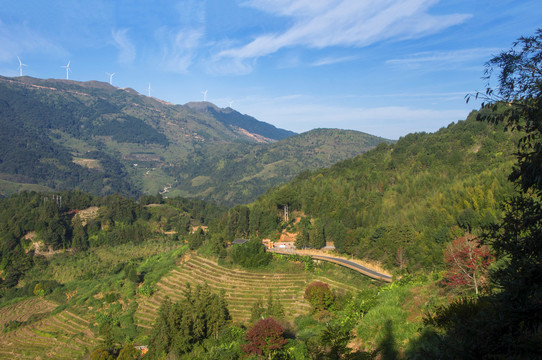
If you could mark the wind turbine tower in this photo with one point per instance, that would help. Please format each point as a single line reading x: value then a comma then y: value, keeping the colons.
x: 204, y: 95
x: 110, y: 78
x: 231, y: 103
x: 67, y: 67
x: 149, y: 90
x: 21, y: 66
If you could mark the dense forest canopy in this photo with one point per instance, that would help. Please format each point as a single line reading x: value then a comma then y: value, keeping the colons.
x: 35, y: 223
x: 408, y: 198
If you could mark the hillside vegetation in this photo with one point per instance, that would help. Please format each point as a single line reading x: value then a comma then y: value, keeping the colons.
x: 84, y: 272
x: 100, y: 139
x: 398, y: 204
x: 236, y: 173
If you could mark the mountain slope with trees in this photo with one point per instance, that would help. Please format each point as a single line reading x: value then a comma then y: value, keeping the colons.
x: 398, y: 204
x: 97, y: 138
x: 237, y: 173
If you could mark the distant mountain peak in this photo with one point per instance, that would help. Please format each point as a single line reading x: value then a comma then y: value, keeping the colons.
x: 202, y: 106
x: 235, y: 120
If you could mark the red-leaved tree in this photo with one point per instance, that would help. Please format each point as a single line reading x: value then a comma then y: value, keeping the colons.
x: 467, y: 263
x: 265, y: 338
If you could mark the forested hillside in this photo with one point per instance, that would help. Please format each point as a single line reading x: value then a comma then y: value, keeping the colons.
x: 398, y: 204
x: 60, y: 135
x: 237, y: 173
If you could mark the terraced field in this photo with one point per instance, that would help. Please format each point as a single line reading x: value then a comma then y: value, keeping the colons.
x: 242, y: 289
x: 24, y: 309
x: 61, y: 336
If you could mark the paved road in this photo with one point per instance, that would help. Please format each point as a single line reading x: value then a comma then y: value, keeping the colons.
x: 340, y: 261
x: 355, y: 266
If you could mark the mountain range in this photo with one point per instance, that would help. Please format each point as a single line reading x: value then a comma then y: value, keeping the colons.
x: 92, y: 136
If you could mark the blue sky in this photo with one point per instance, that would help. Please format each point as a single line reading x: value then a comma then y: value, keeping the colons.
x: 385, y: 67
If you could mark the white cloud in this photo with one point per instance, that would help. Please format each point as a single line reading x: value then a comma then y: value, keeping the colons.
x: 333, y: 60
x: 181, y: 49
x: 229, y: 66
x: 347, y: 23
x: 444, y: 58
x: 127, y: 51
x: 180, y: 44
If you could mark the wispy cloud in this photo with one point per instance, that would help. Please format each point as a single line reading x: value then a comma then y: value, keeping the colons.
x: 181, y: 44
x: 350, y: 23
x: 181, y: 49
x: 333, y: 60
x: 444, y: 58
x: 127, y: 51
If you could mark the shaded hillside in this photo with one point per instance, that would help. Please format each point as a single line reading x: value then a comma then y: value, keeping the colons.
x: 234, y: 118
x: 91, y: 136
x: 398, y: 204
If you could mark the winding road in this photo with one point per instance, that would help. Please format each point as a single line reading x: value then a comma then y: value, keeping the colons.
x: 340, y: 261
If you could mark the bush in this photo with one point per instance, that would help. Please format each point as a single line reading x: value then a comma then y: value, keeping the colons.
x: 111, y: 297
x: 11, y: 325
x: 146, y: 289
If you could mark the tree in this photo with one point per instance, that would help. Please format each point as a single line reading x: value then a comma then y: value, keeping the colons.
x: 79, y: 237
x: 251, y: 254
x: 101, y: 354
x: 317, y: 238
x: 181, y: 326
x: 507, y: 323
x: 265, y: 338
x: 302, y: 239
x: 467, y: 263
x: 320, y: 296
x: 129, y: 352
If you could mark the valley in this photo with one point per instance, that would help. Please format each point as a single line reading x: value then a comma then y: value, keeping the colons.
x: 100, y: 258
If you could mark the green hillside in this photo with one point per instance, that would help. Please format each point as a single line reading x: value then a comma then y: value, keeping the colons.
x: 456, y: 215
x: 400, y: 201
x: 78, y: 271
x: 100, y: 139
x: 236, y: 174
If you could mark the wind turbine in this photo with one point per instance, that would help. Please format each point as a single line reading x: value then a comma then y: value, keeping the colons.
x: 67, y: 67
x: 204, y: 95
x: 231, y: 103
x: 21, y: 66
x: 149, y: 90
x: 110, y: 78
